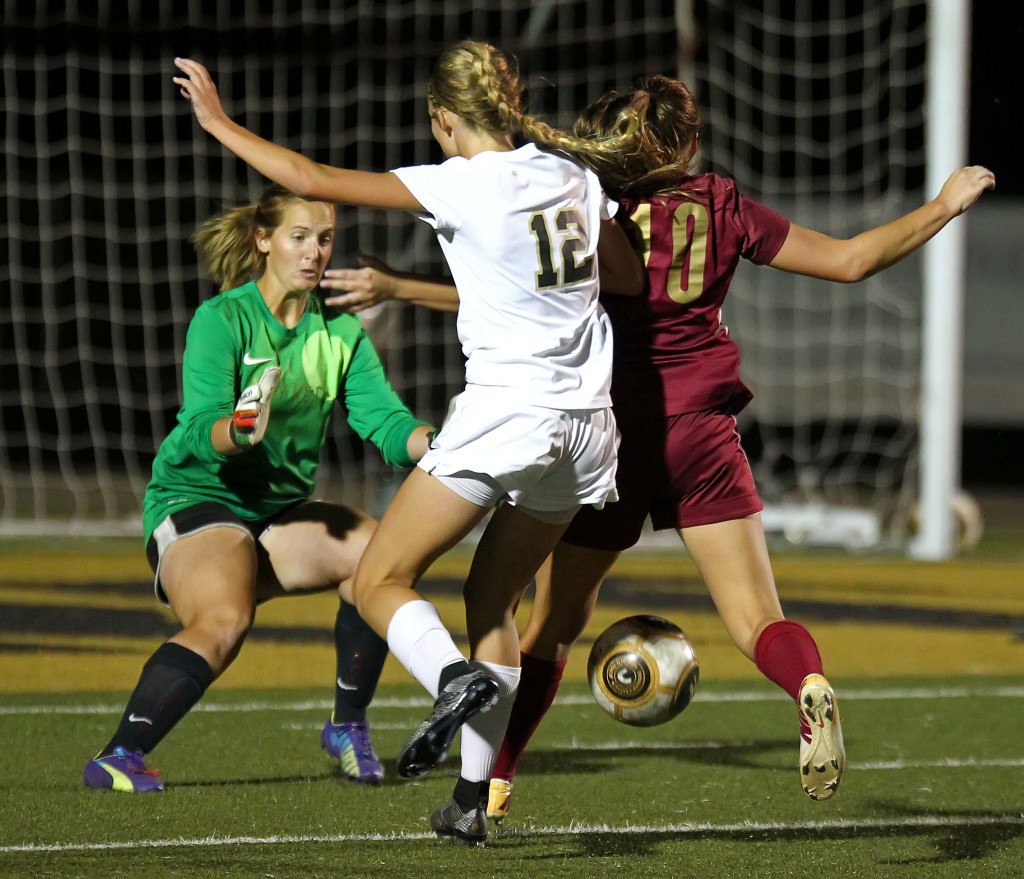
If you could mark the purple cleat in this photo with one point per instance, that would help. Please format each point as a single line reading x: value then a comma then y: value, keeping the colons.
x: 123, y: 770
x: 350, y: 744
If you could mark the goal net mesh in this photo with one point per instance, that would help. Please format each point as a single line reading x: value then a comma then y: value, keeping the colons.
x: 107, y: 175
x: 814, y: 108
x: 817, y: 110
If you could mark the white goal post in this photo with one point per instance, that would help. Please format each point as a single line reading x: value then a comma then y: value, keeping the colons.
x: 949, y: 40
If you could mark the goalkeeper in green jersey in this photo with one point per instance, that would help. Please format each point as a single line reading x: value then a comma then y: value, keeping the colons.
x: 228, y: 516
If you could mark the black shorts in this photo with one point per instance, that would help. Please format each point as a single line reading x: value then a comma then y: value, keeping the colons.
x: 192, y: 520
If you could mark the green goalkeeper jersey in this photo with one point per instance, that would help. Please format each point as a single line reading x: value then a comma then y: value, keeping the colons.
x: 231, y: 340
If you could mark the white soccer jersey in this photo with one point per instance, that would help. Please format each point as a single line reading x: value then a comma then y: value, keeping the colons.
x: 519, y: 230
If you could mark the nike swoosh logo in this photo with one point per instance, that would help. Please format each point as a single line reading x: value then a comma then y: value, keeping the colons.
x: 249, y: 360
x: 134, y: 718
x: 343, y: 686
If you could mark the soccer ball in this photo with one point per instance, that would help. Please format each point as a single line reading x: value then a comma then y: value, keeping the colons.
x: 643, y: 670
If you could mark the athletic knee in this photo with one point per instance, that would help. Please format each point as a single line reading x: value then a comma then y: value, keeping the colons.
x: 222, y: 628
x: 361, y: 591
x: 366, y: 589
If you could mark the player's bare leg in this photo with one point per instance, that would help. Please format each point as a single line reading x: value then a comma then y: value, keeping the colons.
x: 314, y: 547
x: 425, y: 519
x: 733, y: 560
x: 209, y: 578
x: 567, y: 586
x: 511, y: 550
x: 210, y: 581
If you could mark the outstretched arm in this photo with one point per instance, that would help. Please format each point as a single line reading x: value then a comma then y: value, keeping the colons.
x: 806, y: 252
x: 295, y: 172
x: 377, y: 282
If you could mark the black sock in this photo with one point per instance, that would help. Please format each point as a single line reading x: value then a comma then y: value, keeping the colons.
x: 172, y: 681
x: 450, y: 672
x: 471, y: 794
x: 361, y: 654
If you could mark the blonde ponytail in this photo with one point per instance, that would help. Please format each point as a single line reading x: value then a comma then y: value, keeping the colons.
x: 226, y: 243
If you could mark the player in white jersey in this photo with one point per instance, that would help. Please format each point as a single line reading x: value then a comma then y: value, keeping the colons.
x: 526, y: 232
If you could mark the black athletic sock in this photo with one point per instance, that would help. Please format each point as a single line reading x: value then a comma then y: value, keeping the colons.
x: 172, y: 681
x: 361, y: 654
x: 471, y: 794
x: 450, y: 672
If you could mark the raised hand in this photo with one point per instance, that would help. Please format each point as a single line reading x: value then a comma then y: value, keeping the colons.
x: 252, y: 411
x: 197, y: 86
x: 964, y: 187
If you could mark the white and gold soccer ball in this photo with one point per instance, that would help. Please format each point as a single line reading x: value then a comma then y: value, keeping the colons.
x: 643, y: 670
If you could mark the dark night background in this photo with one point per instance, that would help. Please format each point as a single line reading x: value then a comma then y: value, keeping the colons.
x: 378, y: 48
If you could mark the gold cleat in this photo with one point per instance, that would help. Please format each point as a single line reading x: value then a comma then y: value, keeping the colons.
x: 499, y: 798
x: 823, y: 758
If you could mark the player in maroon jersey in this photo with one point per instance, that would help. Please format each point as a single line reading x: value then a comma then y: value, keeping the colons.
x: 676, y: 391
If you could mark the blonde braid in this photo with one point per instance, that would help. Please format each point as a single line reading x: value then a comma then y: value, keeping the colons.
x: 481, y: 85
x: 478, y: 83
x: 490, y: 80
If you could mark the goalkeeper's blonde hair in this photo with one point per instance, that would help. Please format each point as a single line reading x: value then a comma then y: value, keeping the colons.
x: 226, y: 243
x: 480, y: 84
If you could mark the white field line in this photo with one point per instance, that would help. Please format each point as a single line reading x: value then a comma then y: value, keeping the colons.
x: 997, y: 692
x: 721, y: 745
x: 572, y: 829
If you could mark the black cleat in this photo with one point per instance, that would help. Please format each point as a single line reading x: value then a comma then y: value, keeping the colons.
x: 467, y: 828
x: 464, y: 697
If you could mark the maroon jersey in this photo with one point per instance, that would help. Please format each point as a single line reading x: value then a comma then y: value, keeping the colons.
x: 672, y: 353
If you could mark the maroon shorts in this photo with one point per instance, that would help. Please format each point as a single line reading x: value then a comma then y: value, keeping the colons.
x: 683, y: 470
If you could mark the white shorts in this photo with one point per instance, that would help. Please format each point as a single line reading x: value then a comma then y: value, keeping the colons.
x: 547, y: 461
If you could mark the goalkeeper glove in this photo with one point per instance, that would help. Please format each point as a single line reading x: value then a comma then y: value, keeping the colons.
x: 249, y: 422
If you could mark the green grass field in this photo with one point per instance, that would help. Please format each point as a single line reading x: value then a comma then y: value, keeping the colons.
x: 927, y: 661
x: 934, y: 788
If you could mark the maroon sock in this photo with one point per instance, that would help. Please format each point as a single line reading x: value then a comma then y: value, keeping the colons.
x: 785, y: 653
x: 538, y: 683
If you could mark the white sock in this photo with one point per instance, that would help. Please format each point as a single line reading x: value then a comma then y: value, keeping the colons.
x: 419, y: 640
x: 483, y: 734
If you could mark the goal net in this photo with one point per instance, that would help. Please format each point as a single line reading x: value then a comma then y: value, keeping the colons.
x: 107, y: 175
x: 818, y: 110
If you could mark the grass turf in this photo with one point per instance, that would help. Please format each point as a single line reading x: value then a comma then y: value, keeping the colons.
x: 934, y: 789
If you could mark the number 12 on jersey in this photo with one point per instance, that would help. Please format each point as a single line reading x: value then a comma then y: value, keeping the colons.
x: 572, y: 235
